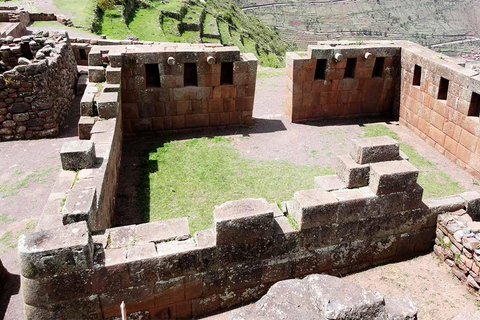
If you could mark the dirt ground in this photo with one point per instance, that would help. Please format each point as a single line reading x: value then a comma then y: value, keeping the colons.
x: 29, y: 170
x: 36, y: 163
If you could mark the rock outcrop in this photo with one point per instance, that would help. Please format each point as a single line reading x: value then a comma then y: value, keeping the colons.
x: 325, y: 297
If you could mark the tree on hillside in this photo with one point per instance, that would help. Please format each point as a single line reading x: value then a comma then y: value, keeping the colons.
x: 107, y: 5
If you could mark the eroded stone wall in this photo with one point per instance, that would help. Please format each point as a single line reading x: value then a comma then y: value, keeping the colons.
x: 161, y: 272
x: 342, y: 80
x: 36, y: 87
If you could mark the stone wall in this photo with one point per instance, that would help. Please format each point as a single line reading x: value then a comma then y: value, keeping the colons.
x: 451, y: 123
x: 158, y: 95
x: 36, y: 87
x: 458, y: 236
x: 340, y: 80
x: 369, y: 214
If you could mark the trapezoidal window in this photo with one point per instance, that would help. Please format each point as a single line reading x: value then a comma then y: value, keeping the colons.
x: 190, y: 74
x: 350, y: 68
x: 226, y: 75
x: 417, y: 75
x: 378, y: 67
x: 443, y: 89
x: 320, y: 69
x: 83, y: 54
x: 474, y: 109
x: 152, y: 75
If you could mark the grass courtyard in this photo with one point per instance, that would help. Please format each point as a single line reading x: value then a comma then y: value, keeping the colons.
x: 195, y: 175
x: 188, y: 178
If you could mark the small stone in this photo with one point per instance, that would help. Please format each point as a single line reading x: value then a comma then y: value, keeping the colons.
x: 78, y: 154
x: 23, y: 61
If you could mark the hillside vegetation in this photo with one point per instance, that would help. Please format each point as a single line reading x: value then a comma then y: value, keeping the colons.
x: 424, y: 21
x: 218, y: 21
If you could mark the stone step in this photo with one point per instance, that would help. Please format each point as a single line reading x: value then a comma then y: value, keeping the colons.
x: 376, y: 149
x: 329, y: 183
x: 354, y: 175
x: 392, y: 176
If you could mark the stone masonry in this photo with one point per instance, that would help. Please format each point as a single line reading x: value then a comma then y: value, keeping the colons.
x: 36, y: 86
x: 162, y: 272
x: 433, y: 96
x: 342, y: 80
x: 171, y: 87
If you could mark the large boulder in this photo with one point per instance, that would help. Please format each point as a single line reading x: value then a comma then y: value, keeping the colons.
x: 321, y: 297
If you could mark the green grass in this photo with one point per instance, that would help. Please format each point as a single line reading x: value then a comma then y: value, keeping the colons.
x: 225, y: 33
x: 5, y: 218
x: 8, y: 189
x: 113, y: 26
x: 269, y: 73
x: 146, y: 26
x: 435, y: 183
x: 9, y: 239
x: 82, y: 11
x: 195, y: 175
x: 210, y: 25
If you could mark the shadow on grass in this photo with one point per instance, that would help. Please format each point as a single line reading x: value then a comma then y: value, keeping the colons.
x: 132, y: 205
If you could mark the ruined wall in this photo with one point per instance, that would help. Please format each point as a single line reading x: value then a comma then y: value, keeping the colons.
x: 458, y: 236
x: 161, y: 94
x: 35, y: 93
x: 450, y: 123
x: 157, y: 269
x: 342, y: 80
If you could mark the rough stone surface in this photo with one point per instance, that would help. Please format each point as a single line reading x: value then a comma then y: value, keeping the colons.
x: 353, y: 174
x: 77, y: 155
x: 324, y: 297
x: 243, y: 221
x: 376, y: 149
x: 392, y: 176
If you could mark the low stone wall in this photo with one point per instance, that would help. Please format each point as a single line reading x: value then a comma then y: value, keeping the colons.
x: 171, y: 102
x: 458, y: 238
x: 342, y: 80
x: 158, y: 270
x: 35, y: 93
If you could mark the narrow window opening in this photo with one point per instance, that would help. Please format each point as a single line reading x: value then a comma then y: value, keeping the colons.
x: 190, y: 74
x: 443, y: 89
x: 226, y: 76
x: 350, y: 68
x: 378, y: 67
x: 320, y: 69
x: 417, y: 75
x: 152, y: 75
x: 26, y: 52
x: 474, y: 109
x: 83, y: 54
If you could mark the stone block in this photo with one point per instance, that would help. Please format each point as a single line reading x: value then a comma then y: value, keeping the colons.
x: 77, y: 154
x: 329, y: 183
x: 107, y: 105
x: 314, y: 208
x: 81, y: 203
x: 392, y: 176
x: 96, y: 74
x: 86, y: 104
x: 244, y: 221
x: 472, y: 203
x: 61, y: 250
x: 354, y: 175
x: 161, y: 231
x: 114, y: 75
x: 85, y: 125
x: 445, y: 204
x: 82, y: 84
x: 376, y: 149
